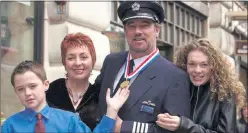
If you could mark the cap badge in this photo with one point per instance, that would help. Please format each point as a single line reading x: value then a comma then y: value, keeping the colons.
x: 135, y: 6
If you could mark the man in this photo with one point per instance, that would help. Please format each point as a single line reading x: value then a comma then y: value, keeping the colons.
x: 156, y: 85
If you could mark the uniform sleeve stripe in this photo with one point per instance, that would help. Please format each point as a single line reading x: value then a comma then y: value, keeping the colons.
x: 134, y: 127
x: 142, y: 128
x: 146, y: 128
x: 138, y: 128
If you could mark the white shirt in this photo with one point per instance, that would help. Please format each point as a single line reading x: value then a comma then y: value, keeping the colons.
x: 137, y: 62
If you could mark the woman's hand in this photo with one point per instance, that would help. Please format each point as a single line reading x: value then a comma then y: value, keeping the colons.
x: 2, y: 118
x: 118, y: 124
x: 116, y: 102
x: 168, y: 122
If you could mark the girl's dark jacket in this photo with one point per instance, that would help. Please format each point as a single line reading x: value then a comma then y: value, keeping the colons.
x: 208, y: 114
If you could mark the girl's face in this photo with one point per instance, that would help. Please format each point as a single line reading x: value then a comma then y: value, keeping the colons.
x: 198, y: 67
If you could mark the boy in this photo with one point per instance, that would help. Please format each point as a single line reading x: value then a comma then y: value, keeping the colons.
x: 30, y: 83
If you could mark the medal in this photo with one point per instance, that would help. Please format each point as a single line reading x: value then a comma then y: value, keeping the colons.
x: 129, y: 75
x: 140, y: 68
x: 124, y: 84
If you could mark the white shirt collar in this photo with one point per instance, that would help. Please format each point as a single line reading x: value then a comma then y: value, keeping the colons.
x: 138, y: 61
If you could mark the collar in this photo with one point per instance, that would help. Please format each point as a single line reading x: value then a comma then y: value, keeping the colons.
x: 205, y: 85
x: 30, y: 113
x: 199, y: 90
x: 138, y: 61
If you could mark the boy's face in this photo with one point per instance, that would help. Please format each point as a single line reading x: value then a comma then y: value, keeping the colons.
x: 31, y: 90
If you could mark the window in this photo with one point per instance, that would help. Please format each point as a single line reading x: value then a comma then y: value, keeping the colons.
x: 17, y: 44
x: 181, y: 24
x: 187, y: 24
x: 115, y: 32
x: 243, y: 75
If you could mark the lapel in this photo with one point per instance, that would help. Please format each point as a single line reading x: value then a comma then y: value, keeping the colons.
x: 140, y: 86
x: 60, y: 96
x: 115, y: 67
x: 114, y: 63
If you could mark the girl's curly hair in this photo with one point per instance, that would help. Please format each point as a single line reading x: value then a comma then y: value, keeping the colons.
x: 224, y: 81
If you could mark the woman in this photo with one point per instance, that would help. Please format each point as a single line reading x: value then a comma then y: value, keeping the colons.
x: 242, y: 122
x: 74, y: 93
x: 215, y: 91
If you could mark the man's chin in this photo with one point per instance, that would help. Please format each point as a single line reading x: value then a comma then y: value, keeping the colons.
x: 139, y: 50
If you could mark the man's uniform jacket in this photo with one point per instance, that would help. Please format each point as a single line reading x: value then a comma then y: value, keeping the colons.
x: 161, y: 87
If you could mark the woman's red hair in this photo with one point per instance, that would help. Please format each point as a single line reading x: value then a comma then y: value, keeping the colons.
x: 77, y: 40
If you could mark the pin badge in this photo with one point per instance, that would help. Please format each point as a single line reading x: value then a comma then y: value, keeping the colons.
x: 135, y: 6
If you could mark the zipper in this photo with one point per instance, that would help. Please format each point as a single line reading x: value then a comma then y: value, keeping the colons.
x: 84, y: 102
x: 196, y: 103
x: 193, y: 90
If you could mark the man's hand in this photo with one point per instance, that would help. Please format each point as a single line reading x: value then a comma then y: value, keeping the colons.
x: 116, y: 102
x: 168, y: 122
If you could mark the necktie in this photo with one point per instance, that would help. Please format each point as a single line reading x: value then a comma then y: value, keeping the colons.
x: 131, y: 62
x: 40, y: 127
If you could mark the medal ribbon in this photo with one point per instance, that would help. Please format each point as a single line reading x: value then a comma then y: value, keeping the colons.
x: 141, y: 67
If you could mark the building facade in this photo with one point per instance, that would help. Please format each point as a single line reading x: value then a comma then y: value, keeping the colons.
x: 226, y: 31
x: 34, y: 31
